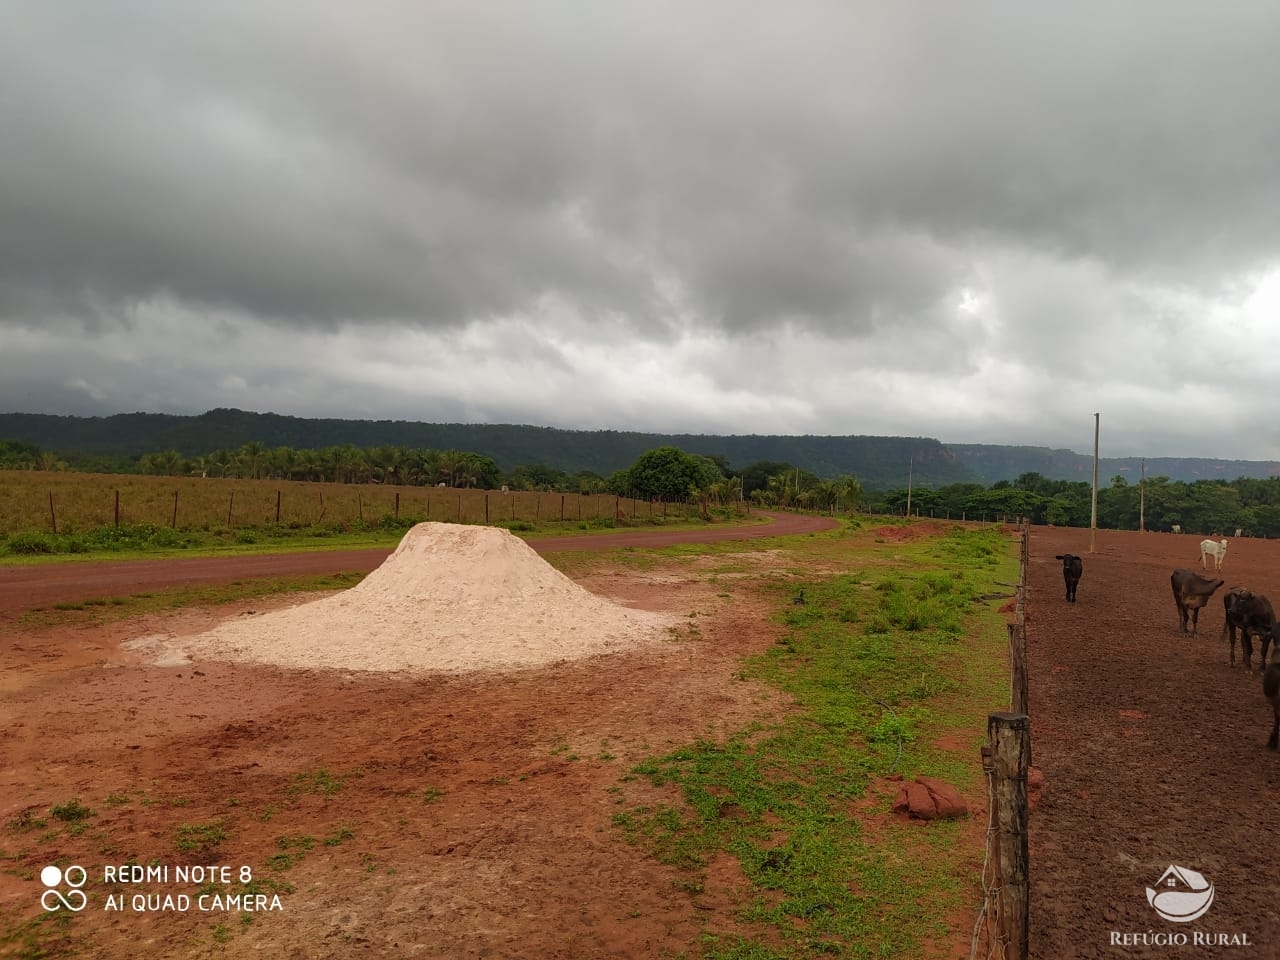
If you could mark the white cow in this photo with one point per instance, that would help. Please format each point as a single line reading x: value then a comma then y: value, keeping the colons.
x: 1176, y: 528
x: 1239, y: 531
x: 1213, y: 548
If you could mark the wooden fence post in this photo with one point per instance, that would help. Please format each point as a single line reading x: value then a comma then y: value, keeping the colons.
x: 53, y: 517
x: 1017, y: 668
x: 232, y: 499
x: 173, y: 524
x: 397, y: 504
x: 486, y: 507
x: 277, y: 506
x: 117, y: 509
x: 1007, y: 757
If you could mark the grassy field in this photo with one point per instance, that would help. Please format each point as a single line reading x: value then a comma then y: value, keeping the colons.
x: 44, y: 513
x: 892, y: 663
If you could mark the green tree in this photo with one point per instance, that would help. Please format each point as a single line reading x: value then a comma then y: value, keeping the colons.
x: 669, y: 473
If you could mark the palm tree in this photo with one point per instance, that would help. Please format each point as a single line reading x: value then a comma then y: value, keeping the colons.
x: 253, y: 453
x: 851, y: 492
x: 220, y: 460
x: 284, y: 460
x: 827, y: 494
x: 169, y: 462
x: 448, y: 465
x: 308, y: 465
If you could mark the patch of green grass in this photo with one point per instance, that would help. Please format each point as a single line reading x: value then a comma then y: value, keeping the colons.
x: 320, y: 782
x: 339, y: 836
x: 71, y: 811
x: 27, y: 820
x: 291, y: 850
x: 878, y: 667
x: 200, y: 839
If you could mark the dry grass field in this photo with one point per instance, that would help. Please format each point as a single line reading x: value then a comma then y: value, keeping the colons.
x: 46, y: 502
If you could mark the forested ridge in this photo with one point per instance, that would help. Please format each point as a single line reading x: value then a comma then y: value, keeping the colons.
x: 118, y: 444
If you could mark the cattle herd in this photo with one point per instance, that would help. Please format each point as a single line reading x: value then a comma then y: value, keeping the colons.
x: 1248, y: 614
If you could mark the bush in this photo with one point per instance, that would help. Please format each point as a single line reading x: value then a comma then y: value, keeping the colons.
x: 30, y: 544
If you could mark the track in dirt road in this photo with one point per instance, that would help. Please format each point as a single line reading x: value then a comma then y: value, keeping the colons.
x: 22, y: 588
x: 1153, y: 750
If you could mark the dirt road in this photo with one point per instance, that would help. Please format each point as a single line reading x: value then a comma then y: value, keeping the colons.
x: 22, y: 588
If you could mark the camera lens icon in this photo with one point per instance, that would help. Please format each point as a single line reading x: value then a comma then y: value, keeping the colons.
x: 54, y: 899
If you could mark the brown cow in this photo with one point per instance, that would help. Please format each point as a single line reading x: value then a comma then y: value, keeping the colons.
x: 1191, y: 592
x: 1271, y: 690
x: 1250, y: 613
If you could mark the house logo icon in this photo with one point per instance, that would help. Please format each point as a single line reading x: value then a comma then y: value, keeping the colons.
x: 1181, y: 895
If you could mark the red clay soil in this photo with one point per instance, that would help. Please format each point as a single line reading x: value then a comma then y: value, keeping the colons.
x: 1153, y: 750
x: 393, y: 815
x: 22, y: 588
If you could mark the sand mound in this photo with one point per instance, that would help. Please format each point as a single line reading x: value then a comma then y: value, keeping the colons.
x: 450, y: 598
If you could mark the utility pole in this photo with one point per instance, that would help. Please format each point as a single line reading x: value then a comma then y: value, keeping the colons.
x: 1142, y: 499
x: 910, y: 465
x: 1093, y: 520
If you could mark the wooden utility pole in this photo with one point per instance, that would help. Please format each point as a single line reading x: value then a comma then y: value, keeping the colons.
x: 911, y: 462
x: 1093, y: 520
x: 1142, y: 499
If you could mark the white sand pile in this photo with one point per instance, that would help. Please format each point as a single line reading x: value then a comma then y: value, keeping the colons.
x: 450, y: 598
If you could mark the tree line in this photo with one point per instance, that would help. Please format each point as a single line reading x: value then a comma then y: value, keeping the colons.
x: 1221, y: 507
x: 669, y: 473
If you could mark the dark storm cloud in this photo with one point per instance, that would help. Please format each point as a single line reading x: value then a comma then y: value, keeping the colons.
x: 601, y: 177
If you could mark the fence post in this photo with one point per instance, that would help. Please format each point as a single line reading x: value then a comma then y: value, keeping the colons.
x: 173, y: 524
x: 277, y: 506
x: 397, y: 504
x: 1017, y: 668
x: 232, y: 499
x: 53, y: 517
x: 117, y: 509
x: 1007, y: 757
x: 486, y: 507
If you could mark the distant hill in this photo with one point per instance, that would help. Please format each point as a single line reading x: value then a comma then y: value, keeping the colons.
x: 991, y: 462
x: 879, y: 462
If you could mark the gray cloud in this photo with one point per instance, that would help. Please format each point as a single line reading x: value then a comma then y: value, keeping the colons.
x: 825, y: 217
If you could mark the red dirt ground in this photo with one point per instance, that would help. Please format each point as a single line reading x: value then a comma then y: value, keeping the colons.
x: 446, y: 816
x: 1153, y: 750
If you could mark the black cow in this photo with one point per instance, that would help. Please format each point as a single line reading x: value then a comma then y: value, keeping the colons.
x: 1271, y: 690
x: 1191, y: 592
x: 1072, y: 567
x: 1250, y: 613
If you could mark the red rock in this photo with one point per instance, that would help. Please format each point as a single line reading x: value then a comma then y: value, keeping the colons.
x: 927, y: 798
x: 946, y: 798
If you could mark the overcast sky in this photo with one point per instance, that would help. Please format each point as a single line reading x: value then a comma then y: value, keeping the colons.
x: 980, y: 222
